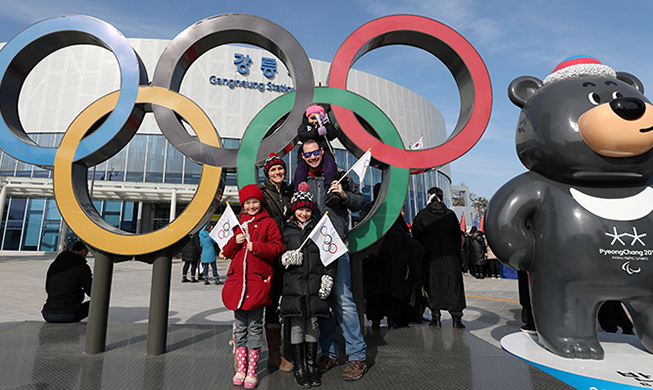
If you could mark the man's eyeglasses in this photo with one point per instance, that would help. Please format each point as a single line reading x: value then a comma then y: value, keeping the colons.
x: 313, y: 153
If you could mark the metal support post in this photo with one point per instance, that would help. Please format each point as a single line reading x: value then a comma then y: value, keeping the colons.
x: 157, y: 329
x: 98, y: 317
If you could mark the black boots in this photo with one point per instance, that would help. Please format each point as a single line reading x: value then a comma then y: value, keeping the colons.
x: 299, y: 361
x: 311, y: 358
x: 458, y: 323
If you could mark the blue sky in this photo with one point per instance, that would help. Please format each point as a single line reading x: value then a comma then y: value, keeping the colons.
x: 513, y: 37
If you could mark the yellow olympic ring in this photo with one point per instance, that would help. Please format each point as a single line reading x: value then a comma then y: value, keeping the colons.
x: 108, y: 238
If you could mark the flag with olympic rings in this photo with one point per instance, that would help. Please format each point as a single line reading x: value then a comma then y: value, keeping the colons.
x: 328, y: 241
x: 224, y: 229
x: 361, y: 166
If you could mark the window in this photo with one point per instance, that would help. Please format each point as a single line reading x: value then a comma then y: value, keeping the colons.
x: 156, y: 154
x: 33, y: 220
x: 51, y: 225
x: 136, y: 158
x: 174, y: 165
x: 14, y: 225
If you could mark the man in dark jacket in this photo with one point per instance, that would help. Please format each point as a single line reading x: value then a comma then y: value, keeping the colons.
x: 191, y: 255
x: 68, y: 279
x: 437, y: 229
x: 341, y: 299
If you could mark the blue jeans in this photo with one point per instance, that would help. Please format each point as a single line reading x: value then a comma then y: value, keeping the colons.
x: 193, y: 267
x: 213, y: 268
x: 342, y: 303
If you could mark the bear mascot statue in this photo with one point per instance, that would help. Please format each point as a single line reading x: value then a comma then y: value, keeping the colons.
x: 580, y: 221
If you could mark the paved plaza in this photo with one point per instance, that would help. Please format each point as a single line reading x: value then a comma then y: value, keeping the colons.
x: 36, y: 355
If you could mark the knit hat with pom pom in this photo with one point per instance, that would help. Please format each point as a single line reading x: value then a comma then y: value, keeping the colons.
x: 302, y: 198
x: 579, y: 67
x: 271, y: 161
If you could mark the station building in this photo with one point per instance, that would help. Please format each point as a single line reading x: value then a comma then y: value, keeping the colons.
x: 149, y: 182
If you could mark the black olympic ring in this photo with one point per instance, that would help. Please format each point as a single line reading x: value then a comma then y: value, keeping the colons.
x: 196, y: 40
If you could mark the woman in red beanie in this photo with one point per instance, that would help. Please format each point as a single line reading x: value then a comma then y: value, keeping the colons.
x: 246, y: 291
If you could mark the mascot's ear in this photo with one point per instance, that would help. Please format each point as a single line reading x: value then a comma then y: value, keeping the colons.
x: 631, y: 80
x: 522, y: 88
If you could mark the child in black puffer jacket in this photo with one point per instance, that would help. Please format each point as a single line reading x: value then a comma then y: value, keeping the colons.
x: 306, y: 285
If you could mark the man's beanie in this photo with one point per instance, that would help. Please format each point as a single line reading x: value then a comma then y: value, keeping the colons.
x: 579, y: 67
x: 271, y: 161
x: 250, y: 191
x: 302, y: 198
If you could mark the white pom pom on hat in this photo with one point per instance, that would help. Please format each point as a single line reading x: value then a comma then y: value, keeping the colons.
x: 579, y: 67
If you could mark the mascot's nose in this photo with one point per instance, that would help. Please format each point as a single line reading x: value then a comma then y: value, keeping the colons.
x: 628, y: 108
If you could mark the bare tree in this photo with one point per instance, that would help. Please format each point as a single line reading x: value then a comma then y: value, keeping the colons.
x: 479, y: 203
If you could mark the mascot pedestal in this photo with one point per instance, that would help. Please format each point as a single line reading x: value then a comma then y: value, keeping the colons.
x: 579, y: 222
x: 627, y: 365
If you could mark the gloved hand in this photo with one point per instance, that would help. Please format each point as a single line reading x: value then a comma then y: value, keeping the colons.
x: 323, y: 118
x: 291, y: 258
x: 326, y: 286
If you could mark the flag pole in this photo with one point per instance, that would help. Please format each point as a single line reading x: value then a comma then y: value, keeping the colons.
x: 311, y: 233
x: 326, y: 139
x: 239, y: 225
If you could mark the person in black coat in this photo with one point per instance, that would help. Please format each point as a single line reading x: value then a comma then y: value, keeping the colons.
x: 191, y: 255
x: 306, y: 285
x: 68, y: 279
x: 437, y: 229
x: 392, y: 277
x: 477, y: 253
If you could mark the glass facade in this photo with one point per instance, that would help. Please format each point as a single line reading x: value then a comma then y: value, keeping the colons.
x: 34, y: 224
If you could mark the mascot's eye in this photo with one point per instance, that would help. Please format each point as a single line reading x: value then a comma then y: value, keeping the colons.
x: 594, y: 98
x: 616, y: 95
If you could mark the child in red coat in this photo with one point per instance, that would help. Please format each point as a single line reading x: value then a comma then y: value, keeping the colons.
x: 249, y: 279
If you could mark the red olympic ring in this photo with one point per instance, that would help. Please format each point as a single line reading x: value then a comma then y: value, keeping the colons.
x: 454, y: 51
x: 222, y: 234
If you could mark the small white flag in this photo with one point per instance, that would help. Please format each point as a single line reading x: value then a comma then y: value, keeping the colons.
x: 361, y: 166
x: 328, y: 241
x: 224, y: 229
x: 417, y: 145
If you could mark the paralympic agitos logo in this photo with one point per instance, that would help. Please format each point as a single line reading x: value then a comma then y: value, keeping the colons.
x: 630, y: 255
x: 117, y: 116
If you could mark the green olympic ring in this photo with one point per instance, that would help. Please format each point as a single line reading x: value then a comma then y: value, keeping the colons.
x: 376, y: 224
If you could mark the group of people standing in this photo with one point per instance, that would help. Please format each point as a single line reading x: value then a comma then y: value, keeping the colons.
x: 274, y: 265
x: 198, y: 255
x: 276, y: 271
x: 404, y: 274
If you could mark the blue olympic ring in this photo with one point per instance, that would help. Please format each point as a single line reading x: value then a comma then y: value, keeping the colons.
x: 21, y: 54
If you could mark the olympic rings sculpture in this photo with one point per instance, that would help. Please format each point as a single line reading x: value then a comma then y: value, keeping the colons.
x: 115, y: 118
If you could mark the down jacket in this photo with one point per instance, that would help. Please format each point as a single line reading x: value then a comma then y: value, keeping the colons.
x: 193, y: 250
x: 301, y: 283
x: 249, y: 278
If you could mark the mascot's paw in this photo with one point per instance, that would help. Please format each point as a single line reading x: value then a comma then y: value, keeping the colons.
x: 577, y: 349
x: 291, y: 258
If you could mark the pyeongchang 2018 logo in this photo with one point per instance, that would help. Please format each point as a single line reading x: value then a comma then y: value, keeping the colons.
x: 631, y: 248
